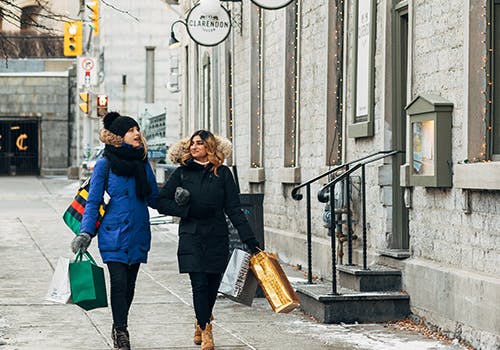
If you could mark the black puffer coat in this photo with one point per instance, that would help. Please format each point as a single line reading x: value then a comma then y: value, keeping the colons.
x: 203, y: 231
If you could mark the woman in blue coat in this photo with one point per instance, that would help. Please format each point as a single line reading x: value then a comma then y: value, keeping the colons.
x: 124, y: 236
x: 201, y: 191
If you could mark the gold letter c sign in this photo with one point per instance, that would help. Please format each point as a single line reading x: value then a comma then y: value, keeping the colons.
x: 20, y: 141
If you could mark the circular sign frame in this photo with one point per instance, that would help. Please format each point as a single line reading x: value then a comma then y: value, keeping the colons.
x: 278, y: 4
x: 193, y: 27
x: 88, y: 64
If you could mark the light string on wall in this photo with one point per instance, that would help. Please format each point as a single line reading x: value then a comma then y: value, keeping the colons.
x: 487, y: 60
x: 261, y: 83
x: 294, y: 93
x: 339, y: 29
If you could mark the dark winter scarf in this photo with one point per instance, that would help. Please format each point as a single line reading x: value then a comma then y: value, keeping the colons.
x: 128, y: 162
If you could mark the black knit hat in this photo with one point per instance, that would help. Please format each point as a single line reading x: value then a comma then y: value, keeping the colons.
x: 118, y: 124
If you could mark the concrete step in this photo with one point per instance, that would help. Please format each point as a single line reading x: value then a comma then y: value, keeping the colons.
x: 375, y: 279
x: 350, y: 306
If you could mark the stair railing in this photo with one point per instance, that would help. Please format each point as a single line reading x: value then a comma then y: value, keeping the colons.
x: 322, y: 196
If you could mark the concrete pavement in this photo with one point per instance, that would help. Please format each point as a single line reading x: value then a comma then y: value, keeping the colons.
x: 33, y: 236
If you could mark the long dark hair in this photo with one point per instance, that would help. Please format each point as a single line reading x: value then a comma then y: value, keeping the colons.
x: 215, y: 157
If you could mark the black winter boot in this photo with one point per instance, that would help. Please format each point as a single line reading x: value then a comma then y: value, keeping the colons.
x: 121, y: 339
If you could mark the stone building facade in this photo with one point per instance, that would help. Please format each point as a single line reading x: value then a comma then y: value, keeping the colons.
x: 318, y: 83
x: 37, y: 90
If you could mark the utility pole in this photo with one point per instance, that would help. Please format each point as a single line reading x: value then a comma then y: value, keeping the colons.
x: 90, y: 17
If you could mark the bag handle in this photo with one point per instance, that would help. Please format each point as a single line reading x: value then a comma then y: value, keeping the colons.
x: 79, y: 257
x: 106, y: 174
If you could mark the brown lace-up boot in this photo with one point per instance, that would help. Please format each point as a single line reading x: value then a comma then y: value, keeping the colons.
x: 207, y: 338
x: 197, y: 333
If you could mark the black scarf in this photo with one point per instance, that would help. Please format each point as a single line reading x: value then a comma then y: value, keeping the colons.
x: 128, y: 162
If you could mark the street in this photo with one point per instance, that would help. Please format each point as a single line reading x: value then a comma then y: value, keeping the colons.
x: 33, y: 236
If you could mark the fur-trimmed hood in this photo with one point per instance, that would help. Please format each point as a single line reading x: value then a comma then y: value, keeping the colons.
x: 108, y: 138
x: 181, y: 148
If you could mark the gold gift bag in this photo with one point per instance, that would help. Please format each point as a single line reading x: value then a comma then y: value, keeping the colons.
x: 273, y: 281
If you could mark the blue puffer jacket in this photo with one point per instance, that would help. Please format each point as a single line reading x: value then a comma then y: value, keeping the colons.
x: 124, y: 235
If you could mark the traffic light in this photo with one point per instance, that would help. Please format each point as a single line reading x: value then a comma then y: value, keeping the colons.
x: 93, y: 6
x: 85, y: 105
x: 102, y: 105
x: 73, y: 38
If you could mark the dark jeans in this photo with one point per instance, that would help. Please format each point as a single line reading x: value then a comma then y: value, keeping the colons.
x: 204, y: 286
x: 123, y: 277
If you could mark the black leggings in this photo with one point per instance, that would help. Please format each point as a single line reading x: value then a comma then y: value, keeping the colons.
x: 123, y: 277
x: 204, y: 286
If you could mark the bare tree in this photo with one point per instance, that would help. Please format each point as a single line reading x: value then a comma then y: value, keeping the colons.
x: 36, y: 33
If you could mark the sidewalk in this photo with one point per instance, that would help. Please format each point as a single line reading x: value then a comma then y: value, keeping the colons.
x: 33, y: 236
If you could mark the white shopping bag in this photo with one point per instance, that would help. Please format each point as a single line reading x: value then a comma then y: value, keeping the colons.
x: 238, y: 283
x: 59, y: 288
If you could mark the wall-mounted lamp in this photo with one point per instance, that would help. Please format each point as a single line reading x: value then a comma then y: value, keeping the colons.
x: 173, y: 42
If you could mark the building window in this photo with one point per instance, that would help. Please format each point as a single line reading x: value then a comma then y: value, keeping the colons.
x: 362, y: 124
x: 187, y: 92
x: 215, y: 91
x: 196, y: 100
x: 205, y: 94
x: 150, y: 74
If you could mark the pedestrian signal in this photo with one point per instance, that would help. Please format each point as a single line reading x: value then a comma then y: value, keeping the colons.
x: 85, y: 105
x: 93, y: 6
x: 73, y: 38
x: 102, y: 105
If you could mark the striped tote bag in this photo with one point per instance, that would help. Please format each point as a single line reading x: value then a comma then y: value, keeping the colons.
x: 74, y: 214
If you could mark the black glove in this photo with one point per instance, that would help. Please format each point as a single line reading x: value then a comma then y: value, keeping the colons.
x: 81, y: 242
x: 253, y: 245
x: 181, y: 196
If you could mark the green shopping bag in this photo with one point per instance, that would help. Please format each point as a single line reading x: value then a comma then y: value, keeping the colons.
x: 88, y: 288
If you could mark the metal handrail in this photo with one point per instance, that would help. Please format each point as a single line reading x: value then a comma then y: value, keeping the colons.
x: 321, y: 195
x: 361, y: 162
x: 297, y: 196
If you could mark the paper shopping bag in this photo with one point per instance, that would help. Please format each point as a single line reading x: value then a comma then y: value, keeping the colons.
x: 59, y: 288
x: 273, y: 281
x: 238, y: 282
x: 88, y: 287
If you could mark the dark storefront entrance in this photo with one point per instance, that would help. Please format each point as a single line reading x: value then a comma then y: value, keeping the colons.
x: 19, y: 147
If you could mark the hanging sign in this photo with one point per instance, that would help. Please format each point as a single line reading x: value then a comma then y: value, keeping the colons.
x: 272, y: 4
x: 208, y: 30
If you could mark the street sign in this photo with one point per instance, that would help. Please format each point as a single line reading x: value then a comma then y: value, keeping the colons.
x: 86, y: 71
x: 87, y: 64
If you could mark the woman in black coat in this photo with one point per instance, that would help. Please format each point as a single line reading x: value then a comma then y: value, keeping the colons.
x: 200, y: 191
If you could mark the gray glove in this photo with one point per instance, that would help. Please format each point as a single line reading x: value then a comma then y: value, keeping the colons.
x: 81, y: 242
x: 181, y: 196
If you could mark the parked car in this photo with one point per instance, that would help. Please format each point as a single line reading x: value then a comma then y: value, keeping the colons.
x: 87, y: 166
